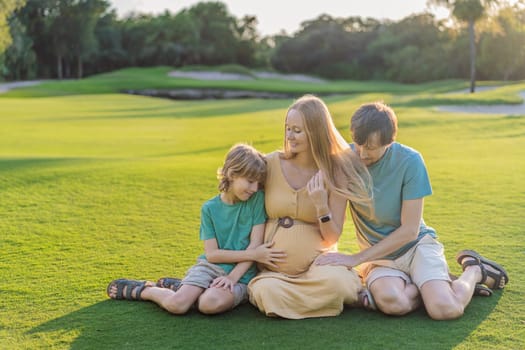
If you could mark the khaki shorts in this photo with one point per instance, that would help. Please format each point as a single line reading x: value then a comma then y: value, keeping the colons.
x: 422, y: 263
x: 202, y: 275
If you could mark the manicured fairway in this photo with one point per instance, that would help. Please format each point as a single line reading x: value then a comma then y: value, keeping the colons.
x: 97, y: 187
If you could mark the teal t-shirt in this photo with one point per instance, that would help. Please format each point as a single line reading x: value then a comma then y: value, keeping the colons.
x: 399, y: 175
x: 231, y: 225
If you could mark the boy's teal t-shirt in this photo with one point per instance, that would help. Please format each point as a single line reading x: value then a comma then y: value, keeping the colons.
x: 231, y: 225
x: 399, y: 175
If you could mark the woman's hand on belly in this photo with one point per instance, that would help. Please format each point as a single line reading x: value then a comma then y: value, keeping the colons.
x: 301, y: 250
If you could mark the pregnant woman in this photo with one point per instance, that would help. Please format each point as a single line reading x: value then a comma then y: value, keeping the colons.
x: 307, y: 188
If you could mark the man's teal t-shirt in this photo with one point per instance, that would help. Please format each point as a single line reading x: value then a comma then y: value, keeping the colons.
x: 399, y: 175
x: 231, y: 225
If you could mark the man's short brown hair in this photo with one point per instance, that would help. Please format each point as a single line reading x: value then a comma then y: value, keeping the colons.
x: 371, y: 118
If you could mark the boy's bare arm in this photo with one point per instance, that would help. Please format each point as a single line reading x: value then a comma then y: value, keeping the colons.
x: 256, y: 250
x: 256, y: 237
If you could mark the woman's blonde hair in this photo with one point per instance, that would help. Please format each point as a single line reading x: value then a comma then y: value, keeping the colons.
x: 242, y: 160
x: 344, y: 172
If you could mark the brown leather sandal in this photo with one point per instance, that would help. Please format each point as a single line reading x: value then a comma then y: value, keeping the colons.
x: 479, y: 260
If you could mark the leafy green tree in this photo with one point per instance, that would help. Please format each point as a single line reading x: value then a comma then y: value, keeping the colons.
x: 185, y: 37
x: 110, y: 54
x: 502, y: 53
x: 134, y: 36
x: 172, y: 39
x: 59, y: 21
x: 62, y: 32
x: 455, y: 47
x: 34, y: 16
x: 469, y: 11
x: 48, y: 24
x: 81, y: 18
x: 363, y: 31
x: 320, y: 42
x: 411, y: 50
x: 77, y: 37
x: 20, y: 59
x: 247, y: 41
x: 215, y: 32
x: 326, y: 46
x: 162, y: 40
x: 7, y: 7
x: 72, y: 24
x: 264, y: 50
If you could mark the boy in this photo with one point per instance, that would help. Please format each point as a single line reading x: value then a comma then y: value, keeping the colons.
x: 232, y: 228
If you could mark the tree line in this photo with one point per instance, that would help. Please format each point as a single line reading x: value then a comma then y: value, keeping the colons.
x: 75, y: 38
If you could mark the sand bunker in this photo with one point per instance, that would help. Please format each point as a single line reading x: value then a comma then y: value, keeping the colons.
x: 234, y: 76
x: 493, y: 109
x: 5, y: 87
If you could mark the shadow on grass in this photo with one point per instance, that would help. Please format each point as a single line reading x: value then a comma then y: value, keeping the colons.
x: 190, y: 110
x: 137, y: 325
x: 10, y: 164
x: 219, y: 149
x: 31, y: 171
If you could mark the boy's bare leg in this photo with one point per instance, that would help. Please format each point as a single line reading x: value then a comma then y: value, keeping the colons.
x: 178, y: 302
x: 216, y: 300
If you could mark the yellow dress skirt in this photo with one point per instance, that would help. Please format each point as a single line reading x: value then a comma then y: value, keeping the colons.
x: 298, y: 288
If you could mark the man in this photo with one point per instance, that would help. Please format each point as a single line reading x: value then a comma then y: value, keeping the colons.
x: 401, y: 261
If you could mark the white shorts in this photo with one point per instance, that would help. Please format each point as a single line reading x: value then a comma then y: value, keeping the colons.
x: 422, y: 263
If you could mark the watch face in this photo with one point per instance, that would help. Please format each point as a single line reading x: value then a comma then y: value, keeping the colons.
x: 325, y: 218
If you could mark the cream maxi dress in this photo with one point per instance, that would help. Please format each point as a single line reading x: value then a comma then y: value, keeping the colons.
x: 298, y: 289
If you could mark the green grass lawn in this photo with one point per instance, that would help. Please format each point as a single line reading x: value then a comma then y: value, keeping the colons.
x: 101, y: 186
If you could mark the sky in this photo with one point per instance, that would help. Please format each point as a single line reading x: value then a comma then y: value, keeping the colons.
x: 276, y: 15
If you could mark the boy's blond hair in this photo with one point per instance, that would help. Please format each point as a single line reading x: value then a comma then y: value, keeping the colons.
x: 242, y: 160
